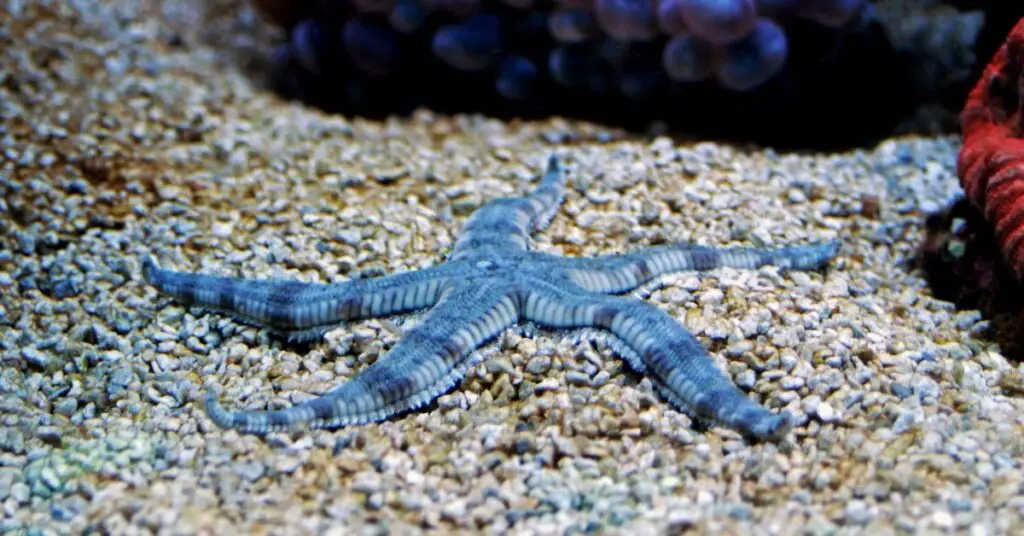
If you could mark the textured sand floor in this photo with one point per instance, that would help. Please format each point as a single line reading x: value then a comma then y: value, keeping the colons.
x: 131, y: 128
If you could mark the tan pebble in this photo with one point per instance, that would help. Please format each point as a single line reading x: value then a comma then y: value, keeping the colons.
x: 347, y: 464
x: 595, y: 451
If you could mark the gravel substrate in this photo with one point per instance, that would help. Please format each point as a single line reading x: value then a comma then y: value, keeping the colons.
x: 131, y: 127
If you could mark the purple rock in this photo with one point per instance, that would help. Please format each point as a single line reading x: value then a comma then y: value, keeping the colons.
x: 373, y: 6
x: 372, y: 47
x: 670, y: 17
x: 407, y: 16
x: 627, y: 19
x: 471, y: 45
x: 572, y: 25
x: 309, y: 41
x: 459, y: 8
x: 517, y: 77
x: 719, y: 21
x: 771, y: 8
x: 754, y: 60
x: 832, y: 13
x: 688, y: 59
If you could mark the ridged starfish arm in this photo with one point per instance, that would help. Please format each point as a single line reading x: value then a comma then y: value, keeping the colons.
x: 655, y: 345
x: 425, y: 363
x: 614, y: 274
x: 506, y: 224
x: 296, y: 308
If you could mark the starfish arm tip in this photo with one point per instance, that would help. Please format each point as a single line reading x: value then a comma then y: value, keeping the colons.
x: 829, y: 251
x: 221, y: 417
x: 761, y: 425
x: 778, y: 427
x: 554, y: 164
x: 150, y: 268
x: 832, y: 247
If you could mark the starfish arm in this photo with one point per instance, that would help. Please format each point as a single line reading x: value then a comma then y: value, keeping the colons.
x: 298, y: 308
x: 506, y: 224
x: 655, y: 344
x: 614, y: 274
x: 429, y: 360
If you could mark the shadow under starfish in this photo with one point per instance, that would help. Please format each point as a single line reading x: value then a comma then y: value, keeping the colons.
x: 490, y: 282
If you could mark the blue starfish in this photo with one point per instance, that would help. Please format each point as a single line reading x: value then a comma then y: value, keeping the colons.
x: 490, y: 282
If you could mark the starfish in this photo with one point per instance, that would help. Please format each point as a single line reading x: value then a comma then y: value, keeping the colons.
x: 490, y: 282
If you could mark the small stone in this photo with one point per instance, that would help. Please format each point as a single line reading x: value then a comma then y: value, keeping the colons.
x: 901, y: 390
x: 251, y: 471
x: 67, y: 509
x: 960, y: 505
x: 6, y: 482
x: 65, y: 288
x: 857, y: 513
x: 454, y: 510
x: 35, y: 357
x: 790, y: 383
x: 66, y: 406
x: 49, y: 434
x: 942, y: 519
x: 747, y: 379
x: 20, y: 492
x: 575, y: 377
x: 222, y: 229
x: 538, y: 364
x: 826, y: 413
x: 26, y: 241
x: 711, y: 296
x: 549, y: 384
x: 287, y: 464
x: 77, y: 186
x: 27, y: 283
x: 375, y: 501
x: 836, y: 288
x: 12, y: 440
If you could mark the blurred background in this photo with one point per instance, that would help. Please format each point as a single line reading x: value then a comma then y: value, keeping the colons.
x: 788, y: 73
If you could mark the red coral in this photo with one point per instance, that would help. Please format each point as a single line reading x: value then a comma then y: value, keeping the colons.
x: 991, y: 163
